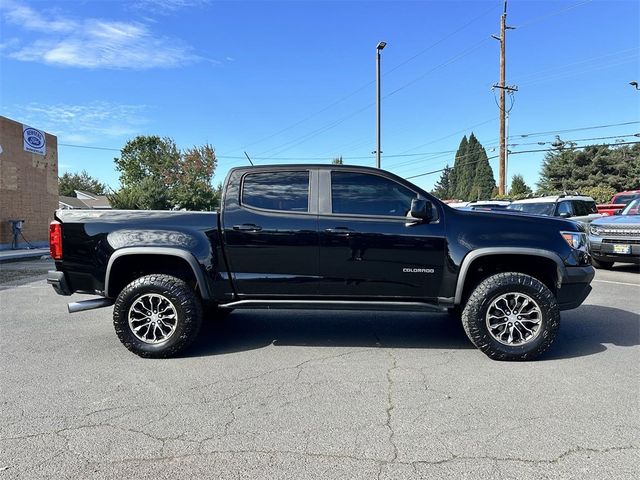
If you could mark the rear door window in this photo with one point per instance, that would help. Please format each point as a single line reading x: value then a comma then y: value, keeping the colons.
x: 281, y: 191
x: 581, y: 208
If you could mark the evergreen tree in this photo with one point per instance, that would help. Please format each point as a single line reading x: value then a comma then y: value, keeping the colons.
x: 569, y: 169
x: 337, y: 161
x: 458, y: 177
x: 443, y: 188
x: 519, y: 189
x: 472, y: 177
x: 483, y: 181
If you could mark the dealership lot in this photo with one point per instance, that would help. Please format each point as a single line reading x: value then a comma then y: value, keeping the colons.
x: 298, y: 394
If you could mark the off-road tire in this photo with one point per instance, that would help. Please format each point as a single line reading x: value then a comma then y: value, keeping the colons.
x: 188, y: 309
x: 601, y: 264
x: 474, y: 313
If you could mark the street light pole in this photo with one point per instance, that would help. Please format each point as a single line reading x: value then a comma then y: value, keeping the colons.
x: 379, y: 48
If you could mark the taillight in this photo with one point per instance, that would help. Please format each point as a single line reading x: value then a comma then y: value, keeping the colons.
x: 55, y: 240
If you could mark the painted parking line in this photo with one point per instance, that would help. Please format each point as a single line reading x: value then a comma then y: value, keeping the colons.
x: 618, y: 283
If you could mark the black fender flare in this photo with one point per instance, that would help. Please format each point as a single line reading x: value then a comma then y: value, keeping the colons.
x: 160, y: 251
x: 484, y: 252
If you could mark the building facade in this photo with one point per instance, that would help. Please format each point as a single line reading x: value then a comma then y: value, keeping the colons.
x: 28, y: 182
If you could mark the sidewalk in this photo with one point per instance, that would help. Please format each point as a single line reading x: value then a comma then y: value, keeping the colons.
x: 22, y: 254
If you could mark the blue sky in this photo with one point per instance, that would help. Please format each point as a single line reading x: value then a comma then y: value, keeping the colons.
x: 295, y: 80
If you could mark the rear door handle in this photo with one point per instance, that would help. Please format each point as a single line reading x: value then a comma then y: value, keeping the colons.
x: 343, y: 230
x: 247, y: 227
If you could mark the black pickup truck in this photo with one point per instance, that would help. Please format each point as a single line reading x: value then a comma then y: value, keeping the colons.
x: 323, y: 237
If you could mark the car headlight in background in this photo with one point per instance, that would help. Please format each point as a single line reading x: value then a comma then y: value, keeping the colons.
x: 576, y: 240
x: 595, y: 230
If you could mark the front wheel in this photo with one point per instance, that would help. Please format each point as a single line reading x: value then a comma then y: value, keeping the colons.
x: 157, y: 316
x: 511, y: 316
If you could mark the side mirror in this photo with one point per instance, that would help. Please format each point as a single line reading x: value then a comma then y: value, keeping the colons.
x: 421, y: 209
x: 617, y: 212
x: 565, y: 215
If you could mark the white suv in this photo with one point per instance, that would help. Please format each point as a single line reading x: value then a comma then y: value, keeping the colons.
x: 576, y: 207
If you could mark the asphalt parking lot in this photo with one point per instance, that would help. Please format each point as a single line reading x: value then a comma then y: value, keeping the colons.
x: 316, y: 395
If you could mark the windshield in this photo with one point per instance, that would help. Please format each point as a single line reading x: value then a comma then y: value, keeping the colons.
x: 534, y: 208
x: 633, y: 208
x: 625, y: 199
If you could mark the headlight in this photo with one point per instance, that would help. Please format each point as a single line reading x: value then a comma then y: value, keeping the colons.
x: 576, y: 240
x: 595, y: 230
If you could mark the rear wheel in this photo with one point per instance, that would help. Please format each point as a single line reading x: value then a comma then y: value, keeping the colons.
x: 157, y: 316
x: 511, y: 316
x: 601, y: 264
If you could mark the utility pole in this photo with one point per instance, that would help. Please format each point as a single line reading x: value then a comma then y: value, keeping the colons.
x: 503, y: 91
x: 379, y: 48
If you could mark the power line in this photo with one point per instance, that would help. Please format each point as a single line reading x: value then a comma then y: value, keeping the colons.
x: 553, y: 14
x: 404, y: 155
x: 524, y: 151
x: 451, y: 135
x: 564, y: 66
x: 577, y: 140
x: 361, y: 88
x: 88, y: 147
x: 595, y: 127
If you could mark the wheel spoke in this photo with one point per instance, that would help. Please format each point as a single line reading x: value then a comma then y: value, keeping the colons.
x: 153, y: 318
x: 513, y: 318
x: 140, y: 327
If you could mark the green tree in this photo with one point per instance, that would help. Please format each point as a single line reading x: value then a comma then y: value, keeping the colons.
x: 146, y: 157
x: 472, y: 176
x: 600, y: 193
x: 483, y: 181
x: 443, y: 187
x: 570, y: 169
x: 155, y: 174
x: 70, y: 182
x: 519, y: 188
x: 337, y: 161
x: 189, y: 180
x: 459, y: 178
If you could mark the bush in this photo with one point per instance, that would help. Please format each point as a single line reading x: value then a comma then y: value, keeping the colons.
x: 601, y: 194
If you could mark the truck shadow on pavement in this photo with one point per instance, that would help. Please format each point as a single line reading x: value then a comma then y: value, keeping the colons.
x: 588, y: 330
x: 584, y: 331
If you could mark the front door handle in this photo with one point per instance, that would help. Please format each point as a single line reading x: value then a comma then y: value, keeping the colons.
x: 247, y: 227
x: 343, y: 230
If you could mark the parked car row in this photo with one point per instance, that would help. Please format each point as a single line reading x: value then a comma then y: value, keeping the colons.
x: 618, y: 202
x: 616, y: 238
x: 614, y: 235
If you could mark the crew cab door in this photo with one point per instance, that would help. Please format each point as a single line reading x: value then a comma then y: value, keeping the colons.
x: 270, y: 228
x: 368, y: 246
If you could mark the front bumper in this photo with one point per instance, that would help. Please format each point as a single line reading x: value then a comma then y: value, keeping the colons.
x: 602, y: 249
x: 59, y: 282
x: 575, y: 286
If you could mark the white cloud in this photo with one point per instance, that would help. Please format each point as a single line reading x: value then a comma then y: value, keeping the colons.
x: 166, y: 6
x: 95, y: 122
x: 93, y: 43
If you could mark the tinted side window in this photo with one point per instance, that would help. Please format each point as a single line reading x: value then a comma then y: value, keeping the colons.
x: 581, y: 208
x: 565, y: 207
x: 284, y: 191
x: 364, y: 194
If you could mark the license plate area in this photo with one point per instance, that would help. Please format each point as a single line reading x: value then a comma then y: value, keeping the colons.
x: 621, y: 248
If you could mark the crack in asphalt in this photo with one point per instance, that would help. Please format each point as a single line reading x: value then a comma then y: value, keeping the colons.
x: 390, y: 404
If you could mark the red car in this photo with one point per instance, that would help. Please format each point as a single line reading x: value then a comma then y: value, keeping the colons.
x: 618, y: 202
